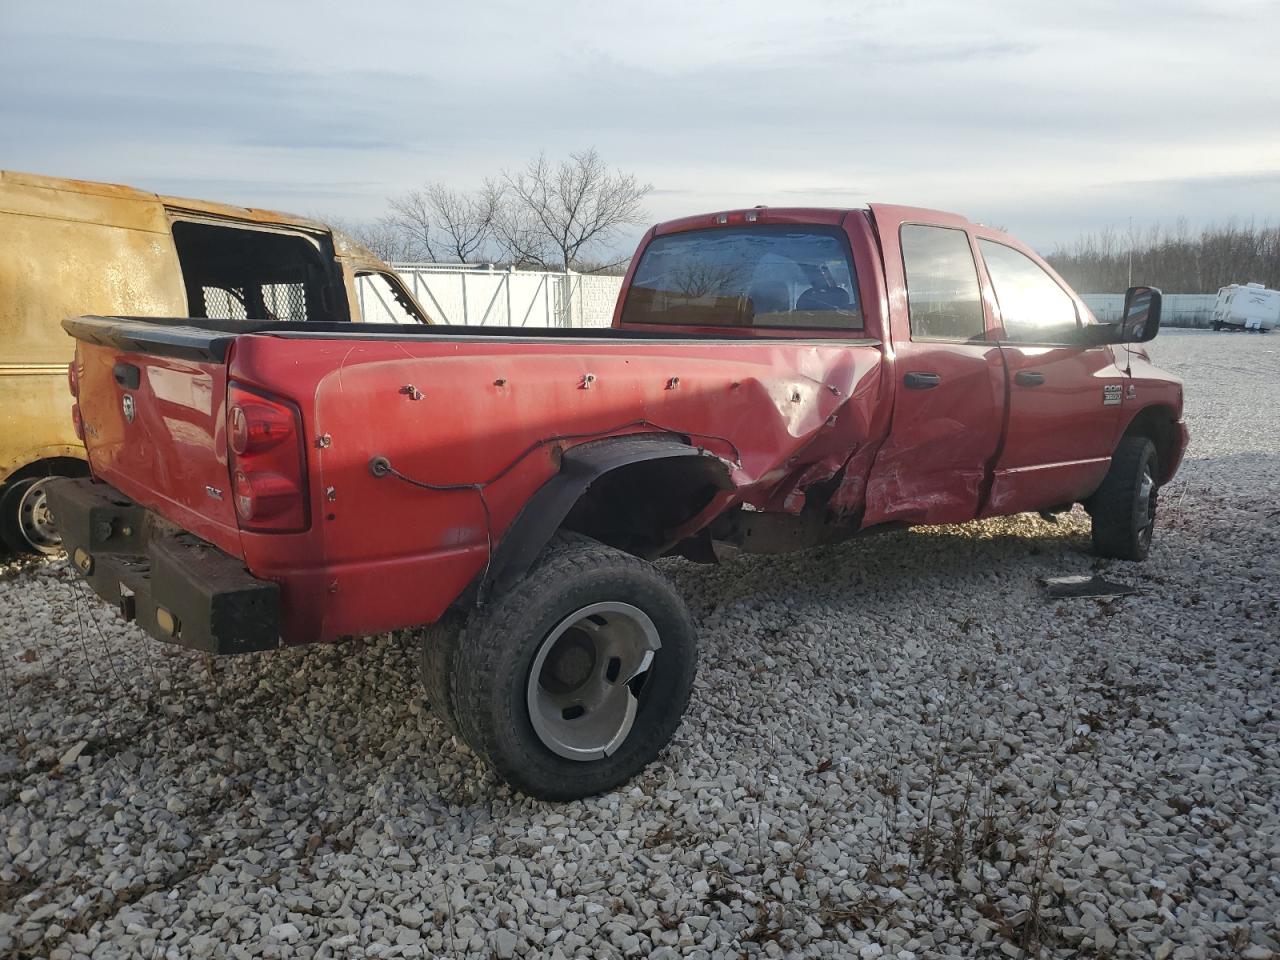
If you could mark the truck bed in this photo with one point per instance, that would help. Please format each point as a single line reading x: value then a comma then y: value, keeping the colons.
x: 472, y: 421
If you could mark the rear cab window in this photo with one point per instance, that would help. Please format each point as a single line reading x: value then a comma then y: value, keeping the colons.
x: 943, y: 297
x: 768, y: 276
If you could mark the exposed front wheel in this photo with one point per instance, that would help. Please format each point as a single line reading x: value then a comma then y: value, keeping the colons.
x: 573, y: 681
x: 26, y: 524
x: 1124, y: 508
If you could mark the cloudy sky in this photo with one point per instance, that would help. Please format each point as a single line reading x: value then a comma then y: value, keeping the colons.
x: 1048, y: 119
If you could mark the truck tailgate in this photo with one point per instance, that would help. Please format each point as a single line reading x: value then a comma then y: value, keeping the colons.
x: 153, y: 402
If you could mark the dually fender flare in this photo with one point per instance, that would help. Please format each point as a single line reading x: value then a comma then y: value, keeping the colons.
x: 540, y: 517
x: 1159, y: 421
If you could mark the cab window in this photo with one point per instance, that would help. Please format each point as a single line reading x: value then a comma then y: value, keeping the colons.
x: 383, y: 300
x: 943, y: 299
x: 762, y: 276
x: 1032, y: 305
x: 235, y: 272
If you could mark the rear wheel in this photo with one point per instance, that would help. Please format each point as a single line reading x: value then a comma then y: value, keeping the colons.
x: 573, y: 681
x: 26, y: 524
x: 435, y: 662
x: 1124, y: 508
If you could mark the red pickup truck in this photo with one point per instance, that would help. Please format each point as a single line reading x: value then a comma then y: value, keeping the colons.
x: 774, y: 379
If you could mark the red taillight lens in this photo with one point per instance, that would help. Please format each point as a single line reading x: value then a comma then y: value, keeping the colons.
x: 73, y: 379
x: 77, y: 421
x: 262, y: 496
x: 256, y: 426
x: 268, y: 465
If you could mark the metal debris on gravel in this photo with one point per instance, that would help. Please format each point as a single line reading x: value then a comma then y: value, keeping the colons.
x: 1080, y: 586
x: 895, y: 748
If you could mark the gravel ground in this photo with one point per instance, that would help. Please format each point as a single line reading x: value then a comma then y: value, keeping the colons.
x: 896, y: 747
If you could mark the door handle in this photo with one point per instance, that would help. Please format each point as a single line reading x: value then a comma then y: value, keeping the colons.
x: 127, y: 375
x: 1028, y: 378
x: 921, y: 381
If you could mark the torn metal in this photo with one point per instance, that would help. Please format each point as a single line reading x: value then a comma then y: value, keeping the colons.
x: 1080, y: 585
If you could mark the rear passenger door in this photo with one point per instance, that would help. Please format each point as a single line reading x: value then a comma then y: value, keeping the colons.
x: 1064, y: 397
x: 949, y: 379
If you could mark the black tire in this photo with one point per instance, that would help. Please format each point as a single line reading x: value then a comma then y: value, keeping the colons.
x: 439, y: 643
x: 494, y: 693
x: 1217, y: 326
x: 1124, y: 507
x: 25, y: 523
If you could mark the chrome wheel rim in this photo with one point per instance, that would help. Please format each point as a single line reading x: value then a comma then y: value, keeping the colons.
x: 35, y: 520
x: 584, y: 683
x: 1146, y: 506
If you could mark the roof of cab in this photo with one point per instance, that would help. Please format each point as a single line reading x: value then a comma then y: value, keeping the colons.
x: 760, y: 214
x: 117, y: 191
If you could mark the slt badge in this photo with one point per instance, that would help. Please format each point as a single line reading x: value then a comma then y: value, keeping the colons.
x: 126, y: 404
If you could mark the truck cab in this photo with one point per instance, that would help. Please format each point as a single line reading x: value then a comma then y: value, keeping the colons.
x: 1004, y: 393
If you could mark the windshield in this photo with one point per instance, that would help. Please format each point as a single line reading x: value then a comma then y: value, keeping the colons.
x: 763, y: 276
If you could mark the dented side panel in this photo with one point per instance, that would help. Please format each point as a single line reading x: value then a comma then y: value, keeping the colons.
x: 935, y: 465
x: 488, y: 422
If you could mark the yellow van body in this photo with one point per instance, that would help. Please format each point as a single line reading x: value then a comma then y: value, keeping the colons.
x: 70, y: 247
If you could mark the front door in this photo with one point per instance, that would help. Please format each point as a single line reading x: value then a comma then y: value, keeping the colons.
x: 949, y: 390
x: 1064, y: 398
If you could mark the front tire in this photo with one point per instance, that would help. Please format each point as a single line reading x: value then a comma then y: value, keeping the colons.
x: 573, y: 681
x: 1124, y: 508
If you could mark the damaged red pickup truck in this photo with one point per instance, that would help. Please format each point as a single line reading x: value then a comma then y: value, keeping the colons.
x: 774, y: 379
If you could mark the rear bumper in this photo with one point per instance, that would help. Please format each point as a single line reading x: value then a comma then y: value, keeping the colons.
x: 177, y: 587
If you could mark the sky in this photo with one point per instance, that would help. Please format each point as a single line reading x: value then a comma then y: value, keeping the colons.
x: 1048, y: 119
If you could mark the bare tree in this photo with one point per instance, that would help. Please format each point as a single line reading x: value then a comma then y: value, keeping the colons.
x: 413, y: 219
x: 447, y: 224
x: 555, y: 215
x: 1174, y: 259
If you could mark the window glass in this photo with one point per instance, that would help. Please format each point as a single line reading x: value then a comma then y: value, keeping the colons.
x: 763, y: 276
x: 942, y: 284
x: 382, y: 300
x: 1032, y: 306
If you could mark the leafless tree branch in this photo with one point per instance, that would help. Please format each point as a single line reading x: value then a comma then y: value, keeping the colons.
x: 549, y: 215
x: 1173, y: 258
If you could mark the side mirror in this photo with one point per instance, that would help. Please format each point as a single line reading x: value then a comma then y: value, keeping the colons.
x: 1141, y: 320
x: 1139, y: 323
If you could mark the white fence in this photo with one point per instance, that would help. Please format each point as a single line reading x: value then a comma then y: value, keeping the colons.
x: 1178, y: 309
x: 488, y: 297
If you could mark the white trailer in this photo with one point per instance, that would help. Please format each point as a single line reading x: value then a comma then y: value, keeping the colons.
x: 1248, y: 306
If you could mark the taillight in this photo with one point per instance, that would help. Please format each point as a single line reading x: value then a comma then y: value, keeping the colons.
x: 73, y: 379
x: 257, y: 425
x: 268, y: 465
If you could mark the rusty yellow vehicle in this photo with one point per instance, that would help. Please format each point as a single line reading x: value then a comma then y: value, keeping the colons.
x: 70, y: 247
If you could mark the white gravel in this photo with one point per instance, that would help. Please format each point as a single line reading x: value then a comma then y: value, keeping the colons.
x: 896, y: 747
